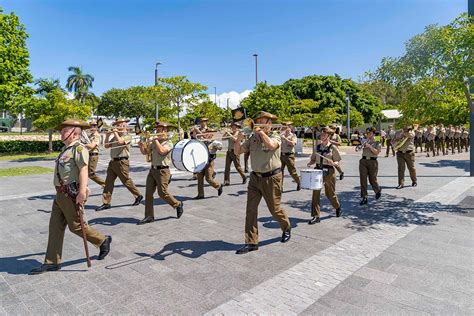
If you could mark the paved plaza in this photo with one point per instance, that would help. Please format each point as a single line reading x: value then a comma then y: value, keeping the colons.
x: 411, y: 252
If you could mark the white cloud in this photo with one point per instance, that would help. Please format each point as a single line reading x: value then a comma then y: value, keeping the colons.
x: 233, y: 96
x: 70, y: 95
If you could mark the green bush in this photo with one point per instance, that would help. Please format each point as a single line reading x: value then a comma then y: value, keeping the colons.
x: 23, y: 146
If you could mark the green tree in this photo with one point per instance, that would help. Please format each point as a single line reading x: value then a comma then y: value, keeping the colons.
x: 47, y: 85
x: 14, y: 61
x: 206, y: 108
x: 79, y: 83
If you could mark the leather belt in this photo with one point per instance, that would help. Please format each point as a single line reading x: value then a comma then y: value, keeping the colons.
x: 267, y: 174
x: 369, y: 158
x: 160, y: 167
x: 93, y: 154
x: 405, y: 152
x: 287, y: 154
x: 120, y: 158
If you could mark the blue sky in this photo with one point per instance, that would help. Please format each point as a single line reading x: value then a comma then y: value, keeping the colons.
x: 212, y: 42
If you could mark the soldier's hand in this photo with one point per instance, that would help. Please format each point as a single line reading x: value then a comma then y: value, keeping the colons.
x: 308, y: 165
x: 240, y: 136
x: 81, y: 198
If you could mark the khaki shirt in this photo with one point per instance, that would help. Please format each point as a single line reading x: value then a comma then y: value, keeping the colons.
x: 366, y: 152
x: 231, y: 141
x: 158, y: 159
x: 390, y: 134
x: 450, y: 133
x: 442, y: 133
x: 261, y: 159
x: 118, y: 150
x: 457, y: 134
x: 409, y: 143
x: 333, y: 154
x: 285, y: 145
x: 336, y: 138
x: 430, y: 135
x: 418, y: 134
x: 68, y: 163
x: 465, y: 134
x: 95, y: 139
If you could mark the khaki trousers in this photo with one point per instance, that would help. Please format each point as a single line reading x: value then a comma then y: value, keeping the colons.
x: 465, y: 144
x: 389, y: 145
x: 246, y: 161
x: 451, y: 145
x: 329, y: 191
x: 418, y: 143
x: 230, y: 158
x: 158, y: 179
x: 457, y: 145
x: 440, y: 146
x: 430, y: 146
x: 64, y: 213
x: 289, y: 161
x: 368, y: 169
x: 409, y: 160
x: 118, y: 168
x: 207, y: 173
x: 270, y: 189
x: 91, y: 169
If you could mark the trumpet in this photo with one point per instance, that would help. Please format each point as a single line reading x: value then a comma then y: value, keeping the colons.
x: 362, y: 144
x: 249, y: 127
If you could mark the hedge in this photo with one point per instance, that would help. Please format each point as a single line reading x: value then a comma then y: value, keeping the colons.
x: 28, y: 146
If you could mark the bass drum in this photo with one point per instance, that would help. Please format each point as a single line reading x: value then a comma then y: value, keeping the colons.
x: 190, y: 155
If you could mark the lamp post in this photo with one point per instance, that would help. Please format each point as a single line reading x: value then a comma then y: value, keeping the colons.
x: 348, y: 100
x: 215, y: 95
x: 156, y: 84
x: 256, y: 68
x: 470, y: 10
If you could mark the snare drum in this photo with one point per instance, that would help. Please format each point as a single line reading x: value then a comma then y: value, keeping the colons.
x: 311, y: 179
x: 190, y: 155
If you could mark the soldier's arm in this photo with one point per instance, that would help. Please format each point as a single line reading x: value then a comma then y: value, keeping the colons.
x: 119, y: 139
x: 142, y: 148
x: 162, y: 150
x: 83, y: 176
x: 238, y: 148
x: 270, y: 143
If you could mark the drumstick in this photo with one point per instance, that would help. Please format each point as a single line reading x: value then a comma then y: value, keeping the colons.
x: 323, y: 157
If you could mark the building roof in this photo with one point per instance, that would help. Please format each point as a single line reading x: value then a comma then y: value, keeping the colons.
x: 391, y: 114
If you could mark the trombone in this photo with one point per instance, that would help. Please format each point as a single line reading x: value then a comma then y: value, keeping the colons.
x: 249, y: 127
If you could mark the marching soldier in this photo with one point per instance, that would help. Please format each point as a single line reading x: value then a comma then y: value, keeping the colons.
x: 440, y: 139
x: 265, y: 180
x: 203, y: 134
x: 418, y: 139
x: 288, y: 142
x: 406, y: 156
x: 450, y: 137
x: 159, y: 176
x: 231, y: 157
x: 465, y: 139
x: 336, y: 140
x: 368, y: 166
x: 93, y: 148
x: 70, y: 180
x: 119, y: 164
x: 331, y: 159
x: 390, y: 139
x: 430, y: 136
x: 457, y: 139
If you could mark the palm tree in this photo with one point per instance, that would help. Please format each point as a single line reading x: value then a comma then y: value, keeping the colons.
x: 47, y: 85
x: 79, y: 83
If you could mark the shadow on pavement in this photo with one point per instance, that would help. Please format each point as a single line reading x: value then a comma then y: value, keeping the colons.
x: 270, y: 222
x: 19, y: 264
x: 459, y: 164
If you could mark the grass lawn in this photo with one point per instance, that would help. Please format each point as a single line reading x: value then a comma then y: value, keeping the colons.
x: 24, y: 171
x: 29, y: 156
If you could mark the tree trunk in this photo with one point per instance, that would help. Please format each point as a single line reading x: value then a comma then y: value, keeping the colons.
x: 50, y: 140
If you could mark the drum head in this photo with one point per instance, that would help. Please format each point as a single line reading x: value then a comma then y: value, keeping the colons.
x: 191, y: 155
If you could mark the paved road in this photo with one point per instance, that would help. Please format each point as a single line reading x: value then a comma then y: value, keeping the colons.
x: 409, y: 252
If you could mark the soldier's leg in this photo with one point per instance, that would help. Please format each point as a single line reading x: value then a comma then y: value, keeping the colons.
x: 57, y: 225
x: 271, y: 191
x: 315, y: 203
x: 330, y: 189
x: 238, y: 167
x: 200, y: 178
x: 389, y: 141
x: 228, y: 160
x: 363, y: 178
x: 163, y: 179
x: 433, y: 147
x: 452, y: 145
x: 373, y: 170
x: 125, y: 178
x: 209, y: 176
x: 410, y: 161
x: 246, y: 161
x: 292, y: 169
x: 254, y: 195
x: 109, y: 183
x: 149, y: 191
x: 401, y: 168
x: 91, y: 167
x: 72, y: 218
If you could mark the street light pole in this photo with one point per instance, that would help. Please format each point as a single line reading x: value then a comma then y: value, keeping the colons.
x: 156, y: 84
x: 215, y: 95
x: 470, y: 10
x: 348, y: 99
x: 256, y: 68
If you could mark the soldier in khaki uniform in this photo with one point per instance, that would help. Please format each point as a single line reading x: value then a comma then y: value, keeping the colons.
x: 204, y: 134
x: 418, y: 139
x: 430, y: 136
x: 93, y: 148
x: 230, y: 157
x: 331, y: 152
x: 265, y: 180
x: 450, y: 137
x: 288, y: 142
x: 336, y: 140
x: 440, y: 140
x: 70, y: 172
x: 457, y: 139
x: 119, y: 164
x: 406, y: 155
x: 159, y: 175
x: 465, y: 139
x: 390, y: 139
x: 369, y: 166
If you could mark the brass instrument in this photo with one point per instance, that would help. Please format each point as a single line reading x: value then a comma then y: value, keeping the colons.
x: 362, y: 144
x: 249, y: 127
x: 399, y: 144
x: 147, y: 138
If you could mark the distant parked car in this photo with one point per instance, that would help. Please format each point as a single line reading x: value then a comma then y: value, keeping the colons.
x: 3, y: 129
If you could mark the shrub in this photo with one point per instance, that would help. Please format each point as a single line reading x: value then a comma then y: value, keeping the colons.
x: 23, y: 146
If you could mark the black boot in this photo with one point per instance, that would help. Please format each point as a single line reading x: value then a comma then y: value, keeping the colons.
x: 138, y: 200
x: 363, y: 201
x: 105, y: 247
x: 286, y: 235
x: 179, y: 210
x: 378, y: 194
x: 244, y: 180
x: 338, y: 212
x: 247, y: 248
x: 46, y: 267
x: 220, y: 190
x: 103, y: 207
x: 146, y: 220
x: 314, y: 220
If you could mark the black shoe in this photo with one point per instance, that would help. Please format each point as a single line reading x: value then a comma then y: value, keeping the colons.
x: 314, y: 220
x: 226, y: 183
x: 363, y: 201
x: 45, y: 268
x: 146, y: 220
x: 244, y: 180
x: 169, y: 181
x: 298, y: 187
x: 338, y: 212
x: 199, y: 197
x: 414, y: 184
x: 179, y: 210
x: 246, y: 171
x: 103, y: 207
x: 214, y: 174
x: 247, y: 248
x: 341, y: 176
x: 286, y: 235
x: 105, y: 247
x: 400, y: 186
x: 378, y: 194
x: 138, y: 200
x: 220, y: 190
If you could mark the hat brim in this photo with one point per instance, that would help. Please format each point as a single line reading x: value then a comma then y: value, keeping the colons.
x: 121, y: 121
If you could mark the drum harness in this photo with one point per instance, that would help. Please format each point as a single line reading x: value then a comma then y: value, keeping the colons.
x: 323, y: 152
